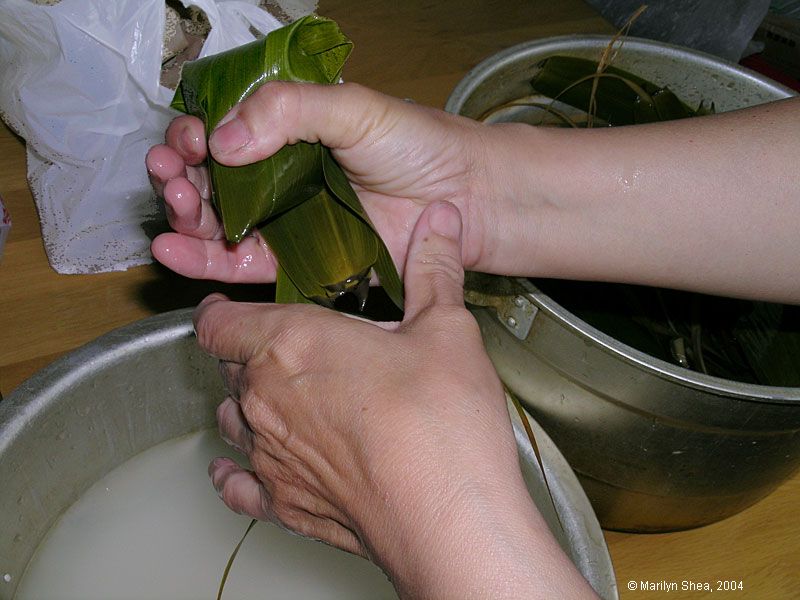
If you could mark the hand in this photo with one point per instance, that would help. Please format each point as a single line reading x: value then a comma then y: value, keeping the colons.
x: 399, y: 156
x: 391, y: 441
x: 647, y: 205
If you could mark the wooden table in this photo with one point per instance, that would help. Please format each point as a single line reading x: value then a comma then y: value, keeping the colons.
x: 420, y: 50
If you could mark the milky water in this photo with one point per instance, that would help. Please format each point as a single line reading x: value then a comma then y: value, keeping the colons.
x: 155, y: 528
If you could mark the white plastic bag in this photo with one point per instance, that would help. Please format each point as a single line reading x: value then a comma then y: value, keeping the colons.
x: 80, y: 83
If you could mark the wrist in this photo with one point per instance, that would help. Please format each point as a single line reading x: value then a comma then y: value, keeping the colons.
x: 551, y: 195
x: 468, y: 537
x: 514, y: 200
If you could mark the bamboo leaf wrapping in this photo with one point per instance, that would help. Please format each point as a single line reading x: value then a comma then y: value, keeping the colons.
x: 622, y: 98
x: 299, y: 198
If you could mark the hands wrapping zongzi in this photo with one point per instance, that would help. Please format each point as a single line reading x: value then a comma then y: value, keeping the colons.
x: 299, y: 198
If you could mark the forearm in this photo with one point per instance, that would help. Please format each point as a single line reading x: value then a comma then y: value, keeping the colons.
x: 710, y: 204
x: 480, y: 540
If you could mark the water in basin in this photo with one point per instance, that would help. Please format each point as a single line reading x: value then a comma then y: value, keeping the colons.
x: 155, y: 528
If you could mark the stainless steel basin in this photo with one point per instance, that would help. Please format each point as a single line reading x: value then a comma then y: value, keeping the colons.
x: 657, y: 447
x: 131, y: 389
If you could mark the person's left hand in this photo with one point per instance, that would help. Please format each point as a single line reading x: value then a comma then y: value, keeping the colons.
x: 399, y: 157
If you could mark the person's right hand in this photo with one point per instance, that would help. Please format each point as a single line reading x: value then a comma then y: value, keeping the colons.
x: 389, y: 440
x: 399, y: 156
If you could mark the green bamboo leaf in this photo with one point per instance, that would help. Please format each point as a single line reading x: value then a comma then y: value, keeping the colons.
x: 286, y: 292
x: 323, y: 227
x: 622, y: 98
x: 232, y: 558
x: 340, y: 186
x: 670, y: 107
x: 329, y: 247
x: 177, y: 101
x: 213, y: 85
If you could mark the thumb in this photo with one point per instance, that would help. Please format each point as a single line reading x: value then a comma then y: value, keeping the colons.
x: 434, y: 273
x: 281, y: 113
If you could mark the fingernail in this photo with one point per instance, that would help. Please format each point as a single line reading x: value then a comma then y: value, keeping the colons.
x: 445, y: 220
x: 187, y: 143
x: 213, y: 466
x: 229, y: 137
x: 231, y: 443
x: 172, y: 194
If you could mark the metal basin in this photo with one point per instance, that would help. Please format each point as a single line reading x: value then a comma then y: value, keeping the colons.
x: 657, y: 447
x: 131, y: 389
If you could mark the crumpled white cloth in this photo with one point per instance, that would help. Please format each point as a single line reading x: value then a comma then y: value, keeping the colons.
x: 81, y: 85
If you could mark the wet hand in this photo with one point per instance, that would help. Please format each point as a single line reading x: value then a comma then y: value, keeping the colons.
x: 399, y: 156
x: 376, y: 438
x: 197, y: 248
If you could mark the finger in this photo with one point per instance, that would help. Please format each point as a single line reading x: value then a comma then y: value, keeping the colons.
x: 232, y: 378
x: 239, y: 489
x: 232, y: 331
x: 286, y: 335
x: 189, y: 212
x: 163, y: 163
x: 249, y: 261
x: 200, y: 179
x: 243, y: 493
x: 281, y: 113
x: 434, y: 273
x: 186, y: 135
x: 232, y: 426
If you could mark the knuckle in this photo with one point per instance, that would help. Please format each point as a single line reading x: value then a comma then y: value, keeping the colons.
x: 369, y: 120
x: 443, y: 267
x: 282, y: 510
x: 262, y: 417
x: 204, y: 326
x: 282, y: 493
x: 290, y: 349
x: 275, y: 102
x: 233, y: 378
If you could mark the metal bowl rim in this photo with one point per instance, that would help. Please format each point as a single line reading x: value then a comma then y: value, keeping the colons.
x: 52, y: 382
x: 510, y: 55
x: 663, y: 369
